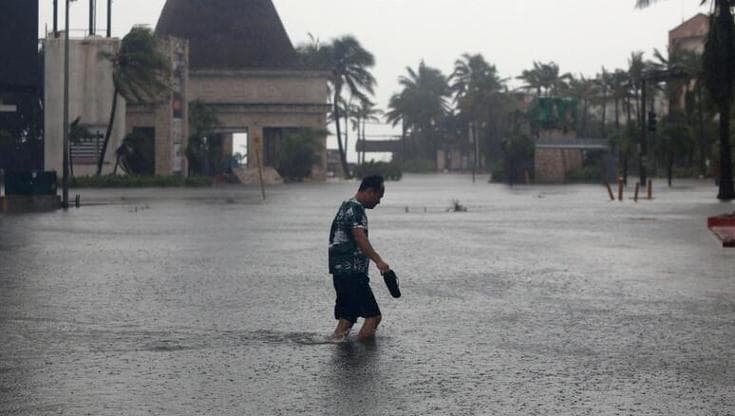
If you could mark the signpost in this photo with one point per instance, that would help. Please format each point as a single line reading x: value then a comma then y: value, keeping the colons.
x: 258, y: 142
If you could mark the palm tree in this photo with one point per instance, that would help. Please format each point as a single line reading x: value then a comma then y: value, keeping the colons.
x: 349, y: 65
x: 478, y: 90
x: 424, y: 103
x: 583, y: 89
x: 545, y: 77
x: 365, y: 112
x: 398, y: 113
x: 140, y: 74
x: 718, y: 75
x: 603, y: 85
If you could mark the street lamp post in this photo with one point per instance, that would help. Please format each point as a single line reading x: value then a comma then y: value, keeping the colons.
x: 642, y: 146
x: 65, y: 174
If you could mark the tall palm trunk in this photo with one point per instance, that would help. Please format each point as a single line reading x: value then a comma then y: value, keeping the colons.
x: 342, y: 155
x: 604, y: 113
x: 726, y: 190
x: 703, y: 153
x: 347, y: 130
x: 108, y: 133
x: 617, y: 115
x: 364, y: 138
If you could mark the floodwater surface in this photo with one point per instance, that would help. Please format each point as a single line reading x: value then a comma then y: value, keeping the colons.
x: 539, y: 300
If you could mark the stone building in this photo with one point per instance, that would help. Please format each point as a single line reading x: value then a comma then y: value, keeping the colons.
x: 690, y: 35
x: 242, y: 65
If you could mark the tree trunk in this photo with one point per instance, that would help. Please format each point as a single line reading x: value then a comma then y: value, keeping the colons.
x: 342, y: 156
x: 703, y: 153
x: 347, y: 129
x: 604, y: 114
x: 726, y: 191
x: 364, y: 139
x: 617, y: 115
x: 108, y: 133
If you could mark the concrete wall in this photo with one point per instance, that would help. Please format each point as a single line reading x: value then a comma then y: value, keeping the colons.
x: 90, y: 97
x: 259, y: 87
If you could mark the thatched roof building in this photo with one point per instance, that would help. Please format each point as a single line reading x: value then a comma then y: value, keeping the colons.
x: 229, y: 34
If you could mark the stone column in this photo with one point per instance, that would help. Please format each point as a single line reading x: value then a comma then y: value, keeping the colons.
x: 227, y: 145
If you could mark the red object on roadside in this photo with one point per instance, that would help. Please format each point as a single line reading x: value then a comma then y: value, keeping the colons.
x: 723, y: 226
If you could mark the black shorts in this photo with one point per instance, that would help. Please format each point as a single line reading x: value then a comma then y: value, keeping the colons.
x: 354, y: 297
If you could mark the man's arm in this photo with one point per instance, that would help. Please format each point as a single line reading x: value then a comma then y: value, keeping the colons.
x: 364, y: 245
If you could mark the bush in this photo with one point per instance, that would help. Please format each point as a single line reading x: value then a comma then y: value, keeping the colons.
x: 298, y: 151
x: 585, y: 174
x: 135, y: 181
x: 418, y: 166
x: 498, y: 173
x: 389, y: 170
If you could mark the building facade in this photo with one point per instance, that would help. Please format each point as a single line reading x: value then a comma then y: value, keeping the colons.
x: 90, y: 102
x: 243, y: 66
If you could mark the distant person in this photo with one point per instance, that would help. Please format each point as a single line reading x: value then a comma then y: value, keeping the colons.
x: 350, y: 253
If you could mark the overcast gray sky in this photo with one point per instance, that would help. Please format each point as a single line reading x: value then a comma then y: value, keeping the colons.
x: 580, y: 35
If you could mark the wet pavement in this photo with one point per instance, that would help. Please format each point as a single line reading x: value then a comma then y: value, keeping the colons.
x: 540, y: 300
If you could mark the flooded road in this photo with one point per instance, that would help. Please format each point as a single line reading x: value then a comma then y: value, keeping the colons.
x: 539, y: 300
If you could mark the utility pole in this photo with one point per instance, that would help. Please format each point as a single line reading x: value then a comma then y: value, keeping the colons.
x: 56, y: 19
x: 643, y: 145
x: 91, y: 17
x: 109, y: 18
x: 65, y: 177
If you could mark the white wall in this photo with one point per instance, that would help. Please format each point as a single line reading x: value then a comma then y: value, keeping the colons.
x: 90, y: 97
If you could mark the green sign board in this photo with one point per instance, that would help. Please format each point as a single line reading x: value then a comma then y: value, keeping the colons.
x: 554, y: 112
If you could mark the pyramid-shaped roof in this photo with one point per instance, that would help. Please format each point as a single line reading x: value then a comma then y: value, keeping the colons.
x: 229, y: 34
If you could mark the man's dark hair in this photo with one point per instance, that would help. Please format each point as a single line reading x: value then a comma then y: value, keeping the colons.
x: 371, y: 182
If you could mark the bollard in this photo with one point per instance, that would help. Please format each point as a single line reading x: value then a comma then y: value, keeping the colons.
x: 609, y: 191
x: 77, y: 201
x: 637, y: 188
x: 406, y: 209
x: 620, y: 189
x: 649, y: 190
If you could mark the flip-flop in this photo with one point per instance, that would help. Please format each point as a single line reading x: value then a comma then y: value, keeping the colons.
x: 391, y: 280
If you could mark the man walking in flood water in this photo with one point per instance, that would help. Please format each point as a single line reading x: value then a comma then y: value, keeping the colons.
x: 350, y: 253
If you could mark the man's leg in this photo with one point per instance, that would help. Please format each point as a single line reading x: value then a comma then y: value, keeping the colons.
x: 367, y: 332
x: 343, y: 328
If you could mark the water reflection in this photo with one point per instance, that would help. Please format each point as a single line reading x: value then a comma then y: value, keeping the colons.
x: 354, y: 377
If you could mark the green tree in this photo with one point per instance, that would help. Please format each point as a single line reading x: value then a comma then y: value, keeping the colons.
x: 674, y: 142
x: 584, y: 90
x: 545, y: 78
x: 140, y: 74
x: 364, y: 114
x: 424, y: 103
x: 479, y: 96
x: 299, y: 151
x: 718, y: 68
x: 202, y: 148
